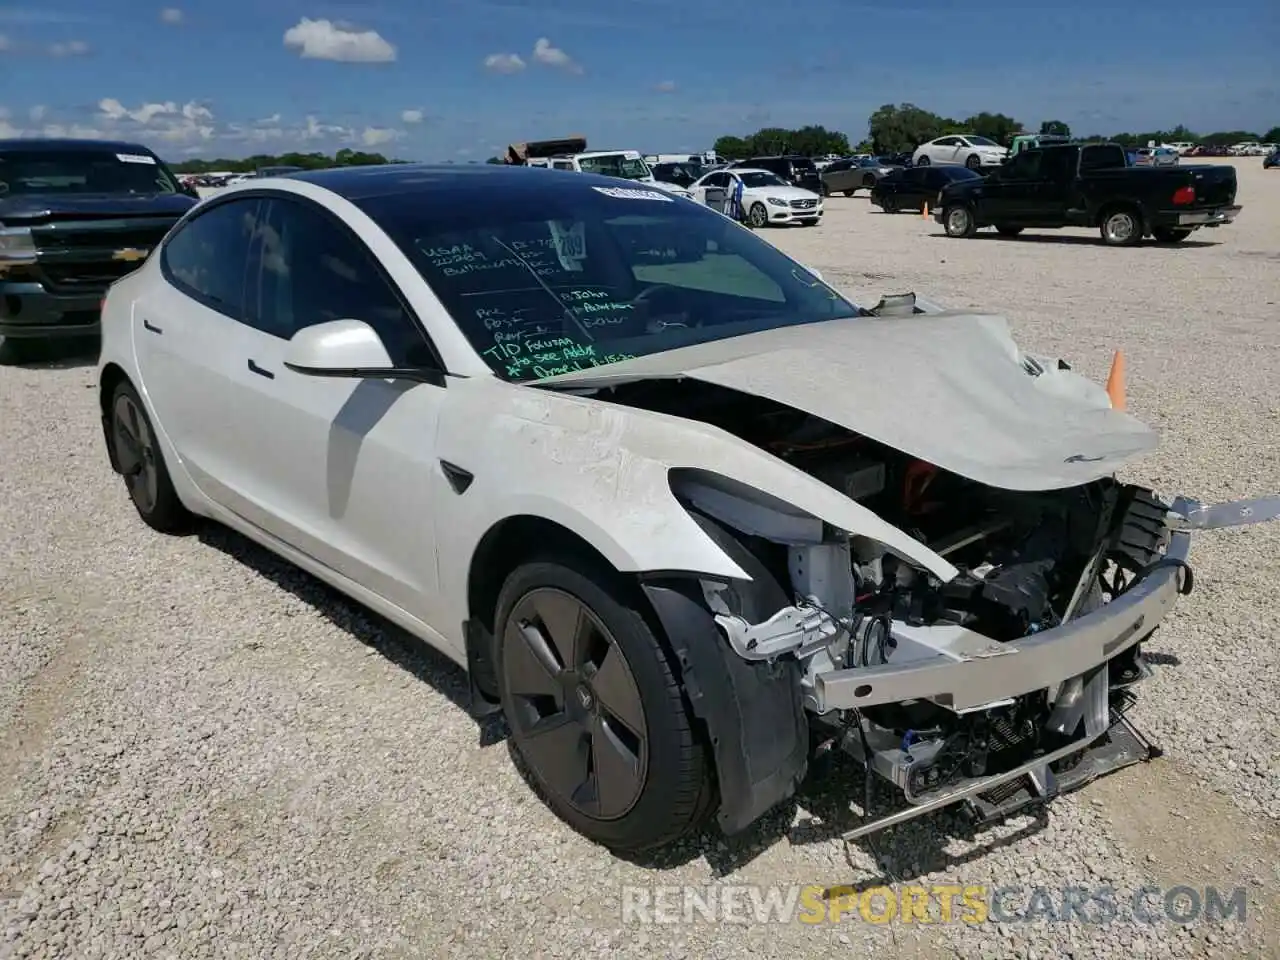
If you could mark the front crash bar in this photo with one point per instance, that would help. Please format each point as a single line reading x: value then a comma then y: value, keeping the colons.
x: 948, y: 797
x: 1013, y: 669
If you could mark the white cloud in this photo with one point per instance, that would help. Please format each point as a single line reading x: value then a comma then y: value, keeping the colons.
x: 411, y: 116
x: 271, y: 121
x: 69, y: 48
x: 190, y: 122
x: 170, y: 15
x: 666, y: 86
x: 325, y: 40
x: 546, y: 54
x: 376, y: 136
x: 37, y: 113
x: 503, y: 63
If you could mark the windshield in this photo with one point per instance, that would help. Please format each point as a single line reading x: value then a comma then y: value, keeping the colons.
x: 83, y: 171
x: 982, y: 142
x: 759, y: 178
x: 552, y: 282
x: 615, y: 165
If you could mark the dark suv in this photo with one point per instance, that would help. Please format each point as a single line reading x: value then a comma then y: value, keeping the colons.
x: 798, y: 171
x: 75, y: 216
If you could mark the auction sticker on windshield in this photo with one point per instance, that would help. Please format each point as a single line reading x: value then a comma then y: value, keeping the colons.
x: 135, y: 158
x: 629, y: 193
x: 570, y: 242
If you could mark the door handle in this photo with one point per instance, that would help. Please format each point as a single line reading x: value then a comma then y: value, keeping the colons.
x: 148, y: 325
x: 261, y: 371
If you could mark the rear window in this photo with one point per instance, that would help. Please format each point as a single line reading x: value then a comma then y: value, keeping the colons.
x: 83, y: 172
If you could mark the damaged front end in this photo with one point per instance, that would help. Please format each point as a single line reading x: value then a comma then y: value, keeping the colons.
x: 1000, y: 687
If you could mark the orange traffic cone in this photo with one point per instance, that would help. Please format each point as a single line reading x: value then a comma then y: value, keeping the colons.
x: 924, y: 211
x: 1115, y: 381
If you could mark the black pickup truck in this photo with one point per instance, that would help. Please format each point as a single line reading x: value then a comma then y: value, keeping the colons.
x: 1090, y: 185
x: 75, y: 215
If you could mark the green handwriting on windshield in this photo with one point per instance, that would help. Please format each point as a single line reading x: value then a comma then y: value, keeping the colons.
x: 549, y: 357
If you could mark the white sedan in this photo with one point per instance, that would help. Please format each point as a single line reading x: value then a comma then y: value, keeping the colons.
x: 671, y: 501
x: 967, y: 150
x: 766, y: 197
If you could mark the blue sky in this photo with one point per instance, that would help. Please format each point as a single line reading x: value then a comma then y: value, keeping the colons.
x: 459, y: 79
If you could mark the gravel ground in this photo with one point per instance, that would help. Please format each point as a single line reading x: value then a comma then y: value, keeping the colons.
x: 204, y: 753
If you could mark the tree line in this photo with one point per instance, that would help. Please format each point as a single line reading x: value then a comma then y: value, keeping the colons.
x: 307, y: 161
x: 894, y: 128
x: 900, y: 128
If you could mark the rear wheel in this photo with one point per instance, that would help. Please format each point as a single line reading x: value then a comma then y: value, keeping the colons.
x: 868, y: 181
x: 1121, y: 227
x: 595, y: 707
x: 141, y: 464
x: 848, y: 193
x: 922, y: 162
x: 889, y: 205
x: 1170, y: 234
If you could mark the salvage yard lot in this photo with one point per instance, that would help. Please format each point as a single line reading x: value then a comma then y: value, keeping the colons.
x: 205, y: 753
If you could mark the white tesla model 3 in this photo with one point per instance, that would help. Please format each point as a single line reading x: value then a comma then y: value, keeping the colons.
x: 670, y: 499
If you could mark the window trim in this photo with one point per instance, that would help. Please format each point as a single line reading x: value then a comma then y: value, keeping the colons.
x: 265, y: 195
x: 181, y: 226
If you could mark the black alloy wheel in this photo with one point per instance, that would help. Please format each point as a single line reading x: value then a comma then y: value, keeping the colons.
x: 576, y: 709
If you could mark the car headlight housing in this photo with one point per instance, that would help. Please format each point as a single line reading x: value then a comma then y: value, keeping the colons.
x: 16, y: 246
x: 776, y: 202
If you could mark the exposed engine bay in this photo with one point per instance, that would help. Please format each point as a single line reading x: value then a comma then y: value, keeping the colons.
x: 1028, y: 563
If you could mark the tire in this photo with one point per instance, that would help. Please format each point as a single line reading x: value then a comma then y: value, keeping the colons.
x: 809, y: 223
x: 620, y: 701
x: 141, y: 464
x: 1120, y: 227
x: 15, y: 351
x: 849, y: 193
x: 1170, y: 234
x: 868, y: 181
x: 959, y: 222
x: 758, y: 216
x: 890, y: 205
x: 1007, y: 231
x: 826, y: 189
x: 974, y: 162
x: 922, y: 162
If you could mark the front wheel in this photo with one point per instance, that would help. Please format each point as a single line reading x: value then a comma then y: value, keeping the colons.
x: 758, y: 216
x: 595, y: 707
x: 138, y: 458
x: 974, y: 162
x: 889, y: 205
x: 1170, y: 234
x: 959, y: 222
x: 922, y: 162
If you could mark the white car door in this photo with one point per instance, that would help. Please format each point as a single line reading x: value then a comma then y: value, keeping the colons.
x: 953, y: 150
x: 341, y: 469
x: 185, y: 324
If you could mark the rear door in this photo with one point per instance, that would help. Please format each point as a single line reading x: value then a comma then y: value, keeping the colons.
x: 184, y: 333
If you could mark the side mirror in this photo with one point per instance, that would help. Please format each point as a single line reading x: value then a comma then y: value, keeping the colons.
x: 350, y: 349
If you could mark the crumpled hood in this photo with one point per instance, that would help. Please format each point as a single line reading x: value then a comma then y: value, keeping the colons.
x: 950, y: 388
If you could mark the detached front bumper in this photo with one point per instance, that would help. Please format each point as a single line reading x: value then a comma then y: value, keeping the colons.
x: 1033, y: 663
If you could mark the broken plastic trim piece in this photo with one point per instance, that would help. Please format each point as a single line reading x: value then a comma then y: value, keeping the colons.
x: 1191, y: 514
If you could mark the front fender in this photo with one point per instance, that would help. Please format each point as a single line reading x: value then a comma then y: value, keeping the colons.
x: 604, y: 471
